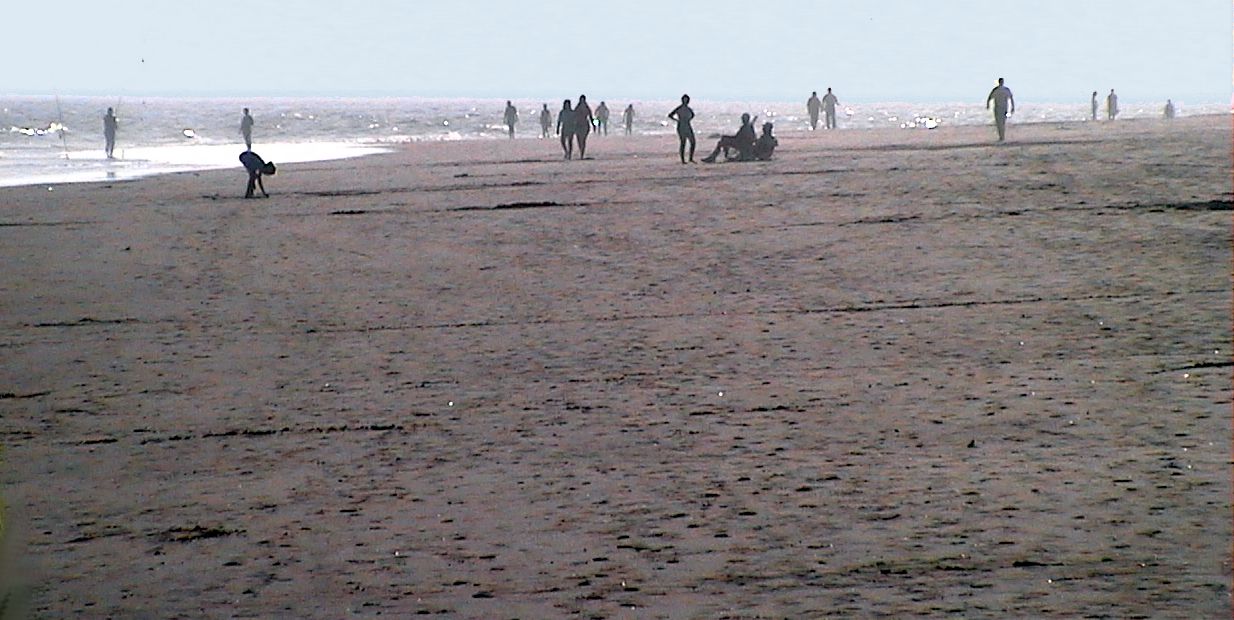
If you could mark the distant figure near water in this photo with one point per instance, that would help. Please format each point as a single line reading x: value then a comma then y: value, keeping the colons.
x: 685, y: 132
x: 1001, y: 95
x: 565, y: 128
x: 511, y: 117
x: 256, y: 168
x: 546, y: 121
x: 1111, y: 105
x: 627, y: 117
x: 829, y: 106
x: 742, y: 142
x: 813, y: 107
x: 109, y: 132
x: 1094, y: 105
x: 246, y: 129
x: 1169, y: 108
x: 602, y: 119
x: 583, y: 120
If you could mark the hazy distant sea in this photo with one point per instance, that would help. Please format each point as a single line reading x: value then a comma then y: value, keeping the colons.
x: 152, y: 137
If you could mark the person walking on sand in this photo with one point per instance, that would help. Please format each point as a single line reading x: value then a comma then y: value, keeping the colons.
x: 1094, y: 105
x: 546, y: 121
x: 685, y: 132
x: 1169, y: 108
x: 814, y: 106
x: 109, y: 132
x: 511, y: 117
x: 246, y: 129
x: 565, y: 129
x: 1001, y: 95
x: 627, y: 117
x: 583, y: 121
x: 829, y: 107
x: 602, y: 119
x: 1111, y: 105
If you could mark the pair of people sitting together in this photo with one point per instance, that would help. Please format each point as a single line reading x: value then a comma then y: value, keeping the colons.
x: 747, y: 146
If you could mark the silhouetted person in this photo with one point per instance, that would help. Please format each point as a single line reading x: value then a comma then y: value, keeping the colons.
x: 511, y: 117
x: 742, y: 142
x: 829, y: 106
x: 565, y: 128
x: 814, y: 106
x: 546, y: 121
x: 685, y: 132
x: 766, y: 145
x: 1111, y: 105
x: 1094, y: 105
x: 256, y: 167
x: 583, y: 120
x: 1001, y: 95
x: 1169, y: 108
x: 627, y: 117
x: 109, y: 132
x: 602, y: 119
x: 246, y: 129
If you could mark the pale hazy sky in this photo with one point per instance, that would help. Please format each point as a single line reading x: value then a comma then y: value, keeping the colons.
x: 905, y: 50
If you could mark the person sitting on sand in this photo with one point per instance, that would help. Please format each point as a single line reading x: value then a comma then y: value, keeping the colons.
x: 766, y: 144
x: 256, y: 167
x: 742, y: 142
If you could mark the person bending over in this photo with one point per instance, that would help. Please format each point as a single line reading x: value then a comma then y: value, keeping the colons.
x: 256, y: 167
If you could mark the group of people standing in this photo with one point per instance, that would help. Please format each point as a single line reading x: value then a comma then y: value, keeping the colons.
x: 575, y: 122
x: 827, y: 104
x: 111, y: 124
x: 1111, y: 106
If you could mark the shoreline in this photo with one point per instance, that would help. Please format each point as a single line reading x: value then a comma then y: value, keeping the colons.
x: 294, y: 152
x: 888, y: 372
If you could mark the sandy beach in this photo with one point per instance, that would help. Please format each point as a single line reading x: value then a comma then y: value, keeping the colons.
x: 887, y: 374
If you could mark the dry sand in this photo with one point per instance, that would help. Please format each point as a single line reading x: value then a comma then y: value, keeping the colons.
x: 887, y: 374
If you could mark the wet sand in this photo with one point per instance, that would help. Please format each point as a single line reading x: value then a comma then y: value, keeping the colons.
x: 890, y: 374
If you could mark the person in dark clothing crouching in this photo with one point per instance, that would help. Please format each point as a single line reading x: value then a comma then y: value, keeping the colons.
x: 256, y: 167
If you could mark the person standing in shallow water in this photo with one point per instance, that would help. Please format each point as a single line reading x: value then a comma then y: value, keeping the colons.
x: 511, y: 117
x: 109, y: 132
x: 628, y: 118
x: 583, y: 120
x: 685, y: 132
x: 546, y: 121
x: 565, y: 128
x: 1001, y: 95
x: 246, y: 129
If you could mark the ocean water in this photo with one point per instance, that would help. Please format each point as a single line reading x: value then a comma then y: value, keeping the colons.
x: 47, y: 140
